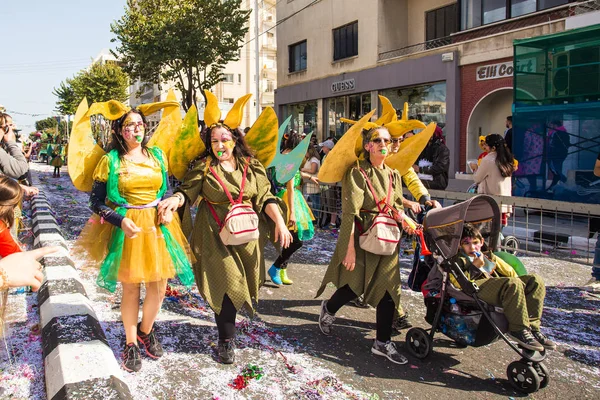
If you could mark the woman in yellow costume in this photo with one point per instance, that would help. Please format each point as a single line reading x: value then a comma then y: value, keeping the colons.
x: 140, y: 245
x: 228, y: 276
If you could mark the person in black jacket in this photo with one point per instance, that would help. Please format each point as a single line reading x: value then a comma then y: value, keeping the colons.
x: 508, y: 133
x: 434, y: 162
x: 559, y: 141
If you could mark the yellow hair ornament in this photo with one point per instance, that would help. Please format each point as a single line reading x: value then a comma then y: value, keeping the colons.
x: 235, y: 115
x: 410, y: 149
x: 111, y: 109
x: 212, y: 113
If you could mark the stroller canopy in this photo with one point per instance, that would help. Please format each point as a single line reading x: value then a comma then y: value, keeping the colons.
x: 444, y: 225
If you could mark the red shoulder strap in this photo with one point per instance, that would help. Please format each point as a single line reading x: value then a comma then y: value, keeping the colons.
x: 214, y: 213
x: 389, y: 194
x: 239, y: 200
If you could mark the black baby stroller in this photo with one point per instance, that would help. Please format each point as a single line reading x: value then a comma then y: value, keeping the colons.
x: 460, y: 314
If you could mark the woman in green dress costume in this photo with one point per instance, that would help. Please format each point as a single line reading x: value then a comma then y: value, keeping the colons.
x: 353, y: 270
x: 228, y: 277
x: 300, y: 217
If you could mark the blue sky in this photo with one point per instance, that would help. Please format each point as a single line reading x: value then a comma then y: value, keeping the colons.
x: 45, y: 42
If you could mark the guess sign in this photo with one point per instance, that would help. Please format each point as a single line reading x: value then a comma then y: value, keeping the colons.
x: 343, y: 86
x: 495, y: 71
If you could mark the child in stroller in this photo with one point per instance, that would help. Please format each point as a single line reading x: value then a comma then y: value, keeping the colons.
x: 521, y: 297
x: 474, y: 298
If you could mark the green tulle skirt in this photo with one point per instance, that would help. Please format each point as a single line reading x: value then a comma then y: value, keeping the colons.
x: 304, y: 216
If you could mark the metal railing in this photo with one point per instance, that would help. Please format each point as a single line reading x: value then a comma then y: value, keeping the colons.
x: 495, y: 28
x: 545, y: 228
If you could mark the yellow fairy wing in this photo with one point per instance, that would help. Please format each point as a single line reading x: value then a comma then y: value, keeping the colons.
x: 235, y: 115
x: 212, y: 113
x: 84, y: 154
x: 343, y: 154
x: 410, y: 149
x: 187, y: 145
x: 262, y: 137
x: 111, y: 109
x: 400, y: 127
x: 168, y: 127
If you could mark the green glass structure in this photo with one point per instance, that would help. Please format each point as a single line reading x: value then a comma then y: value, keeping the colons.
x: 556, y: 115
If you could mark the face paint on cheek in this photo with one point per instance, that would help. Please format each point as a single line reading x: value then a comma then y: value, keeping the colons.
x: 127, y: 135
x: 370, y: 147
x: 230, y: 144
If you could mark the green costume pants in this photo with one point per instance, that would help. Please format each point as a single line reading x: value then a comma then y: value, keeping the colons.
x: 522, y: 299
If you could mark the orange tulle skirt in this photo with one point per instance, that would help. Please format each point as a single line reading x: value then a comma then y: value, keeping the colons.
x: 145, y: 258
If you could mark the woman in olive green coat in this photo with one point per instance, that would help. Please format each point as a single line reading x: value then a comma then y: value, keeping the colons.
x: 353, y: 270
x: 228, y: 277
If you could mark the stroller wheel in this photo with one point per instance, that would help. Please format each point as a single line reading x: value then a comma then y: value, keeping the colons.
x: 523, y: 377
x: 418, y: 342
x: 511, y: 244
x: 543, y: 373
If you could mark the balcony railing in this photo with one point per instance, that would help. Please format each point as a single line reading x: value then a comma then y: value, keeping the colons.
x: 500, y: 27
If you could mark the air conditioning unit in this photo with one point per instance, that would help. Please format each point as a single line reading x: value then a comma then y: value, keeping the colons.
x: 576, y: 72
x: 560, y: 74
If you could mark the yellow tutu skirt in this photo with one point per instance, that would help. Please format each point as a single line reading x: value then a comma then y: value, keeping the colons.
x: 145, y: 258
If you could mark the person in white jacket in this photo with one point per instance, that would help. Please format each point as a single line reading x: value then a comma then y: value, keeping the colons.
x: 494, y: 174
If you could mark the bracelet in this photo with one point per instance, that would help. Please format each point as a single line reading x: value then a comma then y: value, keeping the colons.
x: 180, y: 197
x: 4, y: 282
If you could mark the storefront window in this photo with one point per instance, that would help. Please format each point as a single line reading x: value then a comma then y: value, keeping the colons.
x: 425, y: 102
x: 335, y: 110
x: 352, y: 107
x: 304, y: 117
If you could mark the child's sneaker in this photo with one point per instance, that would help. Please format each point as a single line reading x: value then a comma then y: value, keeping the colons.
x: 389, y: 351
x: 132, y: 360
x: 526, y: 340
x: 284, y: 277
x: 544, y: 340
x: 275, y: 275
x: 150, y: 342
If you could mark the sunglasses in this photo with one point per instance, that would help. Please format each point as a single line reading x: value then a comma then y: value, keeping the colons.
x: 397, y: 140
x: 381, y: 140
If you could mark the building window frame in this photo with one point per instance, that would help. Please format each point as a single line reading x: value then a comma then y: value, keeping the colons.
x: 450, y: 22
x: 228, y: 78
x: 345, y: 41
x: 297, y: 50
x: 475, y: 20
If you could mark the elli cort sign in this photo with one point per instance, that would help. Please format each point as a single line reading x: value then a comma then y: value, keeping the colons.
x: 495, y: 71
x: 343, y: 86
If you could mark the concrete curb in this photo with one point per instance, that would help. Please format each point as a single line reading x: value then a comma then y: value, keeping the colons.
x: 78, y: 362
